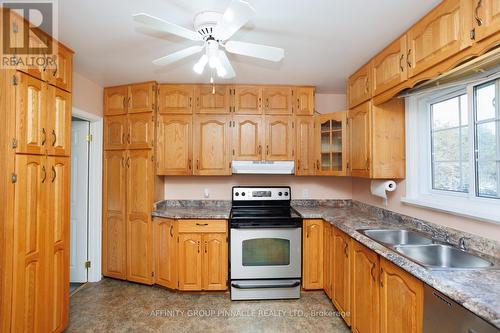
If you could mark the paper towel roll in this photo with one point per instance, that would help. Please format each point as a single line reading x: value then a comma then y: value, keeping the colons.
x: 380, y: 188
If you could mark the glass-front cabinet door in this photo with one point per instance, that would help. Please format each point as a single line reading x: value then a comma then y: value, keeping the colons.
x: 332, y: 148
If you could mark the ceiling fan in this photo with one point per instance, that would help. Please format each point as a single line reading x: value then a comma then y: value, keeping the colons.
x: 213, y: 29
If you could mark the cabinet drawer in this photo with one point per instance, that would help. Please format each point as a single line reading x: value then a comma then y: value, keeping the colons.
x: 195, y: 226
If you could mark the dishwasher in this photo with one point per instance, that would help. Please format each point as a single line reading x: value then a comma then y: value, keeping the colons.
x: 443, y: 315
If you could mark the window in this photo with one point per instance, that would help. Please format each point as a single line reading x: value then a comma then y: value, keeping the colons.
x: 453, y: 149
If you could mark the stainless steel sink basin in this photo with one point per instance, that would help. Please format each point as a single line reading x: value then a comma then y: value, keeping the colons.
x: 396, y: 237
x: 442, y: 256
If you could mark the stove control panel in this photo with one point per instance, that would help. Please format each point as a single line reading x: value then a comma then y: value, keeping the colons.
x: 261, y: 193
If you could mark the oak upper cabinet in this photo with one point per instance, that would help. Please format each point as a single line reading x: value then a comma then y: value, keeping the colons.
x: 214, y: 261
x: 305, y: 146
x: 360, y: 140
x: 115, y: 100
x: 247, y: 138
x: 327, y: 258
x: 140, y: 130
x: 141, y: 97
x: 389, y: 67
x: 331, y: 144
x: 304, y: 97
x: 58, y: 121
x: 365, y: 268
x: 277, y: 100
x: 211, y: 145
x: 190, y: 261
x: 175, y: 99
x: 165, y: 252
x: 401, y: 300
x: 174, y: 149
x: 486, y: 20
x: 247, y: 100
x: 32, y: 134
x: 439, y: 35
x: 115, y: 132
x: 60, y: 74
x: 139, y: 225
x: 312, y: 270
x: 279, y: 138
x: 214, y: 100
x: 341, y: 277
x: 114, y: 249
x: 359, y: 86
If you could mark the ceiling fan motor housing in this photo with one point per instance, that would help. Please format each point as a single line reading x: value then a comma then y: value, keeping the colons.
x: 205, y: 22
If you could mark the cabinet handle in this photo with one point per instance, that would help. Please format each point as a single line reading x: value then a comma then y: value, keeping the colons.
x: 345, y: 250
x: 366, y: 86
x: 267, y: 150
x: 128, y: 138
x: 124, y: 103
x: 206, y: 246
x: 197, y: 164
x: 171, y: 231
x: 123, y: 162
x: 476, y: 13
x: 408, y: 59
x: 260, y: 102
x: 44, y: 136
x: 54, y: 174
x: 189, y: 102
x: 381, y: 280
x: 260, y: 149
x: 55, y: 70
x: 317, y: 165
x: 298, y: 164
x: 401, y: 58
x: 128, y: 162
x: 367, y: 164
x: 128, y: 102
x: 371, y: 271
x: 54, y: 135
x: 189, y: 164
x: 202, y: 224
x: 44, y: 175
x: 198, y: 246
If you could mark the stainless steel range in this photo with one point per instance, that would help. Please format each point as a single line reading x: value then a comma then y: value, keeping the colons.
x: 265, y: 244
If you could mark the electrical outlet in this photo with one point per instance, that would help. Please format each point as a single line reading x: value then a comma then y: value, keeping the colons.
x: 206, y: 193
x: 305, y: 193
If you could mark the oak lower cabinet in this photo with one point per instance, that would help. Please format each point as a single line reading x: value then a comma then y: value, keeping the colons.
x: 312, y: 268
x: 165, y: 252
x: 365, y: 268
x: 327, y: 258
x: 211, y: 145
x: 174, y: 145
x: 190, y: 261
x: 401, y: 300
x: 341, y: 278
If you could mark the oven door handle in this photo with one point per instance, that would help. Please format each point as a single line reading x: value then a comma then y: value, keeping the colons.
x: 260, y: 286
x: 266, y: 226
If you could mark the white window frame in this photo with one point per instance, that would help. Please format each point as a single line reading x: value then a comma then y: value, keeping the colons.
x: 419, y: 191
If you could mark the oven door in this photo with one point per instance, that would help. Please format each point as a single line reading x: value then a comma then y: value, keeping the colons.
x: 266, y: 253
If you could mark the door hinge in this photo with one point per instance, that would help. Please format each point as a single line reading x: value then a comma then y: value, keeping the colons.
x: 473, y: 34
x: 88, y: 137
x: 13, y: 143
x: 87, y: 264
x: 13, y: 177
x: 14, y: 80
x: 15, y: 28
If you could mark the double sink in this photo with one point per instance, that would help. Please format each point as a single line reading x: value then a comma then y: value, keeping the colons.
x: 425, y: 251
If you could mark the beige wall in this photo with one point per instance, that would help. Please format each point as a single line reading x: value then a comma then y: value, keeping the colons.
x: 361, y: 192
x: 326, y: 103
x: 87, y: 95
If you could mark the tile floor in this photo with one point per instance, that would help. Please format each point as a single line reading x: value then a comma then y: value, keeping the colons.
x: 118, y: 306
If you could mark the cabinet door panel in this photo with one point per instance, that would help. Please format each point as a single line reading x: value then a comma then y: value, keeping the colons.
x: 364, y: 289
x: 190, y: 262
x: 360, y: 140
x: 211, y: 145
x: 59, y: 122
x: 115, y: 100
x: 247, y: 136
x: 304, y: 143
x: 212, y: 101
x: 175, y: 99
x: 359, y: 86
x: 61, y: 73
x: 140, y: 132
x: 389, y: 67
x: 278, y: 100
x: 279, y: 138
x: 341, y: 273
x: 175, y: 145
x: 305, y: 101
x: 139, y: 224
x: 58, y: 246
x: 115, y: 132
x: 29, y: 284
x: 312, y: 275
x: 141, y: 97
x: 114, y: 250
x: 248, y: 100
x: 327, y: 259
x: 439, y: 35
x: 31, y: 128
x: 486, y: 18
x: 166, y: 252
x: 401, y: 300
x: 214, y: 262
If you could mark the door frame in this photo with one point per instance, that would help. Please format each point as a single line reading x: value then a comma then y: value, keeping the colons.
x: 95, y: 187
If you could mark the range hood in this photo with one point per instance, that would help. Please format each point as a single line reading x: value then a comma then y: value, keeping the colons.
x: 263, y: 167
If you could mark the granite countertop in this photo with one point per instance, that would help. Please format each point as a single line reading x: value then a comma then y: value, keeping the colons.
x: 192, y: 209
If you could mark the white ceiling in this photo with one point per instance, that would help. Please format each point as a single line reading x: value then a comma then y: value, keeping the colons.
x: 324, y: 40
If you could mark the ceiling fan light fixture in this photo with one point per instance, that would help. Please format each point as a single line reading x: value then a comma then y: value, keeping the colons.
x: 221, y: 71
x: 200, y: 65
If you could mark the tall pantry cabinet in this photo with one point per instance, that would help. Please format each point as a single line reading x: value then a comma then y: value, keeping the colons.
x: 35, y: 117
x: 128, y: 181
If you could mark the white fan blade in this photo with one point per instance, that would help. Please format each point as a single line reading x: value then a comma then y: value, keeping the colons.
x: 236, y: 15
x: 224, y: 61
x: 162, y: 25
x: 176, y: 56
x: 270, y: 53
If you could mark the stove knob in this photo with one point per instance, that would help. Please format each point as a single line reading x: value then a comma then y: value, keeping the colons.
x: 286, y: 194
x: 280, y: 194
x: 237, y: 194
x: 243, y: 193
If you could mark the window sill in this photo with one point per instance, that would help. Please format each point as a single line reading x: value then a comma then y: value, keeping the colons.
x: 464, y: 207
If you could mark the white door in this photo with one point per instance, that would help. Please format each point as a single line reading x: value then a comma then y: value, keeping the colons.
x: 79, y: 200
